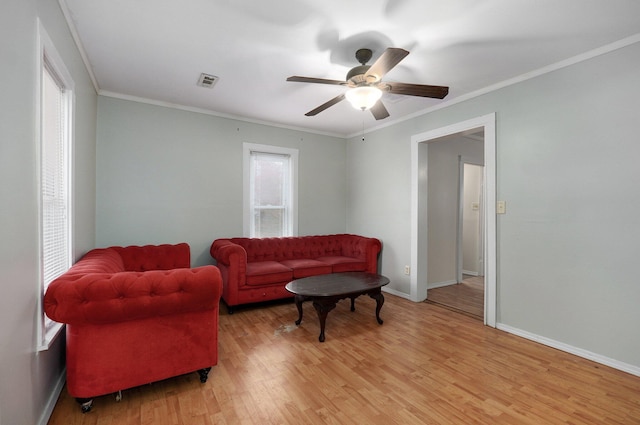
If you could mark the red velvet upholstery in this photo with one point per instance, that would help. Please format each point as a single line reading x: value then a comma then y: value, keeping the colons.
x: 135, y: 315
x: 255, y: 269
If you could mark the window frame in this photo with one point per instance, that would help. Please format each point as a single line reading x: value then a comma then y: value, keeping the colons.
x: 49, y: 60
x: 248, y: 148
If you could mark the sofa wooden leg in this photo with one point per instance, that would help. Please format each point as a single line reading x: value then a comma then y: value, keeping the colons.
x: 204, y: 374
x: 85, y: 404
x: 229, y: 309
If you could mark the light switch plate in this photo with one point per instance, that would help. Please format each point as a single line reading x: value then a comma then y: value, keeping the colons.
x: 501, y: 208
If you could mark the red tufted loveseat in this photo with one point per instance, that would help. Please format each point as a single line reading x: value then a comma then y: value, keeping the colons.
x: 135, y: 315
x: 257, y: 269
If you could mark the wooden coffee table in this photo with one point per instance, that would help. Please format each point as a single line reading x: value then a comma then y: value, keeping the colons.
x: 326, y: 290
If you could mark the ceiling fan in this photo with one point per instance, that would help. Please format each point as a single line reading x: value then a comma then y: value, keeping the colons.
x: 366, y: 85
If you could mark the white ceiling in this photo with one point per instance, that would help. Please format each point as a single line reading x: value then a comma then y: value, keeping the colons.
x: 155, y: 50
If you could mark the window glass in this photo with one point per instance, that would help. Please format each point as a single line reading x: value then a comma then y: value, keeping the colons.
x: 270, y: 194
x: 270, y: 207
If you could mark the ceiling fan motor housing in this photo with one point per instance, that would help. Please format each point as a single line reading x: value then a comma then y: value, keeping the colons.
x: 357, y: 74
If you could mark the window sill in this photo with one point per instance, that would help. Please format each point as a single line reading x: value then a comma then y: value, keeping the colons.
x: 50, y: 336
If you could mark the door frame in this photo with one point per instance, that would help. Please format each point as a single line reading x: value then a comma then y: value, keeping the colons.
x: 419, y: 231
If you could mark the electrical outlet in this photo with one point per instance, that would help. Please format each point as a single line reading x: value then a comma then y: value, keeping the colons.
x: 407, y: 270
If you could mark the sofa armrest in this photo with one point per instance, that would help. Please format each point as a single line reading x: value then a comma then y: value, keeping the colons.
x: 100, y: 298
x: 234, y: 257
x: 232, y: 260
x: 228, y: 253
x: 364, y: 248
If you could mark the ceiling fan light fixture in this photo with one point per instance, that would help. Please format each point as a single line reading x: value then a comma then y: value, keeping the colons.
x: 363, y: 97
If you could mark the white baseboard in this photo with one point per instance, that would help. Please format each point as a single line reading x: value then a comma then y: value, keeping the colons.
x: 470, y: 273
x: 53, y: 398
x: 441, y: 284
x: 598, y: 358
x: 397, y: 293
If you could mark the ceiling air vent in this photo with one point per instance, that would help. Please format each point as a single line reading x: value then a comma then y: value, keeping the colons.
x: 207, y: 80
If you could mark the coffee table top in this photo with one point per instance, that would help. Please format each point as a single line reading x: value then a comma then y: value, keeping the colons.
x: 334, y: 284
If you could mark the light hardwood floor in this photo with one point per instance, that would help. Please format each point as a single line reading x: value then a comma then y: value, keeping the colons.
x: 466, y: 297
x: 424, y: 365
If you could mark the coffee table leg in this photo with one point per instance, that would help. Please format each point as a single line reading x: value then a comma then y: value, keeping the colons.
x: 377, y: 295
x: 323, y: 308
x: 299, y: 299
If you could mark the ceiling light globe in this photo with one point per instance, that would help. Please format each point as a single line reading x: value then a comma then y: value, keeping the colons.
x: 364, y: 97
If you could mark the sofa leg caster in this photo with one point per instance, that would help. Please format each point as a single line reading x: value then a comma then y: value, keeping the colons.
x: 204, y: 374
x: 119, y: 396
x: 85, y: 404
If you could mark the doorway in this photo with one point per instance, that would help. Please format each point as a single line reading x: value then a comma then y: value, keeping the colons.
x: 466, y: 295
x: 455, y: 169
x: 428, y: 237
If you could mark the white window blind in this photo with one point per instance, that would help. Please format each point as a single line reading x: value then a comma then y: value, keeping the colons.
x: 54, y: 178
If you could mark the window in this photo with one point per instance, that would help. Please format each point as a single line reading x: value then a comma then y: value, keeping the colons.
x: 54, y: 147
x: 270, y: 191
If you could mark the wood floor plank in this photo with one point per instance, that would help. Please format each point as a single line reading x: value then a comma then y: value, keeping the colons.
x: 425, y: 364
x: 466, y: 296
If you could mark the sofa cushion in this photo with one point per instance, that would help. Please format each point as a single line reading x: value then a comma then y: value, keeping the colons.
x: 305, y: 267
x: 340, y: 264
x: 264, y: 272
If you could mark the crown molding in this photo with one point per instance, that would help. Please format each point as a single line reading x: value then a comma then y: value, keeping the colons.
x: 76, y: 38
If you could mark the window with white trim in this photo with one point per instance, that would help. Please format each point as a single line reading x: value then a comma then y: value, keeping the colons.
x: 54, y: 147
x: 270, y: 191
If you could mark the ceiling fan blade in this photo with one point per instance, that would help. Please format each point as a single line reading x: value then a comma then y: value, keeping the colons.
x: 325, y: 105
x: 379, y: 111
x: 298, y: 79
x: 389, y: 58
x: 437, y: 92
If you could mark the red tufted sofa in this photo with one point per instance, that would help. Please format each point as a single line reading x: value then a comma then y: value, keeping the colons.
x: 135, y: 315
x: 257, y: 269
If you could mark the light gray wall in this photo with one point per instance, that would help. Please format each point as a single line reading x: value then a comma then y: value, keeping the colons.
x: 379, y: 197
x: 166, y: 175
x: 567, y: 156
x: 28, y: 379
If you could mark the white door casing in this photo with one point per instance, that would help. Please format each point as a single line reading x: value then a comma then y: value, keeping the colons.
x: 418, y: 209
